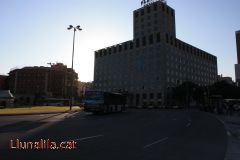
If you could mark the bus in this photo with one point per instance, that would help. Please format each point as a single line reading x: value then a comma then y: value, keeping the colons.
x: 104, y: 102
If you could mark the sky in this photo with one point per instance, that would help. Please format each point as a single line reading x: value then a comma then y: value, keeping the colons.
x: 34, y: 32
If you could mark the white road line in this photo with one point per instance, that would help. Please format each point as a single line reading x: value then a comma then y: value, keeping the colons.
x: 85, y: 138
x: 189, y: 124
x: 158, y: 141
x: 229, y: 134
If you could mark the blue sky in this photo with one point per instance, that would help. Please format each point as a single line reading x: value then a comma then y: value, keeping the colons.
x: 34, y: 32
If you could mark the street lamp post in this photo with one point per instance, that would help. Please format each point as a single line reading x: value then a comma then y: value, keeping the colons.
x: 77, y: 28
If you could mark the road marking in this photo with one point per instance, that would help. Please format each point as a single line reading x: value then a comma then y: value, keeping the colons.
x: 86, y: 138
x: 229, y: 133
x: 189, y: 124
x: 158, y: 141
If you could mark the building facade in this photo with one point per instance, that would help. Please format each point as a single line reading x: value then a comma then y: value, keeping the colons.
x: 30, y: 85
x: 148, y: 66
x: 237, y: 66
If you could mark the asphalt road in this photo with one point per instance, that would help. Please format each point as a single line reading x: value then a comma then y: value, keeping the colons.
x: 132, y: 135
x: 13, y: 127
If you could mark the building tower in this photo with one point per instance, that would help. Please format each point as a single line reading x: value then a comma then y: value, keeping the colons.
x: 155, y: 61
x: 237, y: 66
x: 154, y: 17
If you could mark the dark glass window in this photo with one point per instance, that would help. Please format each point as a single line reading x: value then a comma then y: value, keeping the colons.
x: 142, y: 12
x: 131, y: 45
x: 151, y: 96
x: 137, y: 42
x: 148, y: 9
x: 120, y: 48
x: 144, y: 41
x: 155, y: 7
x: 151, y: 39
x: 136, y: 14
x: 158, y: 37
x: 159, y: 95
x: 167, y: 38
x: 144, y: 96
x: 125, y: 46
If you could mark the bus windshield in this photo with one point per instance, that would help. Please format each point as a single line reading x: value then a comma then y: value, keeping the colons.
x: 94, y: 95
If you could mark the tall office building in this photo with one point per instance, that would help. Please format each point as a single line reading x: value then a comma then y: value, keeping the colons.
x: 237, y: 66
x: 148, y: 66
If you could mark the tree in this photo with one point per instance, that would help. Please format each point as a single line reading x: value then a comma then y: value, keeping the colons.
x: 186, y: 92
x: 226, y: 90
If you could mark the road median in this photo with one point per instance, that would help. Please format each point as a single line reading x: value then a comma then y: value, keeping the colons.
x: 38, y: 110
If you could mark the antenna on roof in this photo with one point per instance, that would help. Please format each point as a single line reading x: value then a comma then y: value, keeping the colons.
x: 148, y: 2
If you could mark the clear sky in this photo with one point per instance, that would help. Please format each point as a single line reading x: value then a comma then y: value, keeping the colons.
x: 34, y: 32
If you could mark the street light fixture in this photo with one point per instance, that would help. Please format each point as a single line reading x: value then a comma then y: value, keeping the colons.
x: 77, y: 28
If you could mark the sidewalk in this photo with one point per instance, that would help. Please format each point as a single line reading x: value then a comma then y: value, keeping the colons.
x: 232, y: 124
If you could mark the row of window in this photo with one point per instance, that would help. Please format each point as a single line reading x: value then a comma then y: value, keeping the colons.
x: 129, y: 45
x: 151, y: 39
x: 190, y: 64
x: 155, y: 7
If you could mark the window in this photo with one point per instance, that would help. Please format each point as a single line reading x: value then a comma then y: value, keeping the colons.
x: 137, y: 99
x: 155, y: 7
x: 159, y: 95
x: 163, y: 7
x: 144, y: 41
x: 148, y: 9
x: 96, y: 54
x: 172, y: 12
x: 105, y: 52
x: 151, y: 96
x: 142, y: 12
x: 109, y: 51
x: 167, y: 10
x: 158, y: 37
x: 144, y: 96
x: 136, y: 14
x: 131, y: 45
x: 167, y: 38
x: 120, y: 48
x: 171, y: 40
x: 125, y: 46
x: 137, y: 42
x: 151, y: 39
x: 149, y: 24
x: 179, y: 45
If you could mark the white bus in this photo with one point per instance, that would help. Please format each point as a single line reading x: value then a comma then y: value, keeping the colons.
x: 104, y: 102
